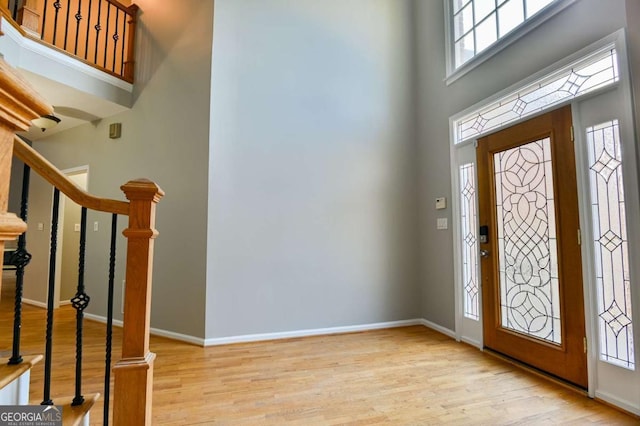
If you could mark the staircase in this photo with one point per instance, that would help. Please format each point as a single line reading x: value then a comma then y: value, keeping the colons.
x: 133, y: 372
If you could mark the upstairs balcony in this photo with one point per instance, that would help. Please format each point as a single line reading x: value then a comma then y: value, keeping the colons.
x: 79, y: 54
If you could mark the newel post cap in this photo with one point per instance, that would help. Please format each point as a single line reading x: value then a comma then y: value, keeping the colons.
x: 141, y: 190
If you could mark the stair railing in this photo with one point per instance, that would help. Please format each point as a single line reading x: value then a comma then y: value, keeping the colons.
x: 133, y: 373
x: 100, y: 33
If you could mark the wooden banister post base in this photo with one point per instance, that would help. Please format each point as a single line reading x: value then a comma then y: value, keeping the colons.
x: 132, y: 391
x: 11, y: 226
x: 29, y: 18
x: 134, y: 373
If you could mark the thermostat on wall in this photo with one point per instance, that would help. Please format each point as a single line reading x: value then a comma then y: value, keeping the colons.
x: 441, y: 203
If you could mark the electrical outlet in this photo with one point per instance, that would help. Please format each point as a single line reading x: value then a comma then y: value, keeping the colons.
x: 76, y: 227
x: 40, y: 226
x: 95, y: 226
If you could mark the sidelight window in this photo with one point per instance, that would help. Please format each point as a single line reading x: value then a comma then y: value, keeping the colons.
x: 610, y: 243
x: 469, y: 241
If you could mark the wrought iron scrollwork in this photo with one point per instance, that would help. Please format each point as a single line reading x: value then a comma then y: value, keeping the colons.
x: 80, y: 301
x: 20, y: 258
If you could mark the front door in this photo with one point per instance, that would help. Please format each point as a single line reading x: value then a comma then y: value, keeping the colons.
x: 529, y: 229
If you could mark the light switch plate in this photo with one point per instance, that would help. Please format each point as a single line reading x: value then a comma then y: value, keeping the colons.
x: 441, y: 203
x: 76, y: 227
x: 442, y: 223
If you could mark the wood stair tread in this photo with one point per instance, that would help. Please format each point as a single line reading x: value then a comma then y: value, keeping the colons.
x: 8, y: 373
x: 73, y: 415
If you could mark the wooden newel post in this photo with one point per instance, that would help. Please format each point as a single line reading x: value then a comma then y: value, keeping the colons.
x: 19, y: 104
x: 129, y: 61
x: 133, y: 374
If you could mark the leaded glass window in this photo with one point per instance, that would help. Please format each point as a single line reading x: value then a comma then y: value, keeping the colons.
x: 527, y: 244
x: 610, y: 244
x: 469, y: 241
x: 478, y: 24
x: 587, y: 75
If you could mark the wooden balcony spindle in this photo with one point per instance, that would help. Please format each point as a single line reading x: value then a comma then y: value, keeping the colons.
x: 133, y: 374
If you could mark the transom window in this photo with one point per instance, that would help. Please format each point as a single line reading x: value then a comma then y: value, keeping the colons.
x: 589, y: 73
x: 476, y: 25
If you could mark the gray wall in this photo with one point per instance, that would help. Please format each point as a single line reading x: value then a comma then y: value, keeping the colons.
x: 312, y: 186
x: 164, y: 138
x: 577, y: 26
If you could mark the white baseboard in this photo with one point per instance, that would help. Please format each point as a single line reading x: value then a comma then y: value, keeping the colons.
x: 177, y: 336
x: 34, y: 303
x: 309, y: 332
x: 625, y: 405
x: 155, y: 331
x: 100, y: 318
x: 471, y: 342
x: 216, y: 341
x: 438, y: 328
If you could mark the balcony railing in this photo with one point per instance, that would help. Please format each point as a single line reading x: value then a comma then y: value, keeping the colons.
x: 98, y: 32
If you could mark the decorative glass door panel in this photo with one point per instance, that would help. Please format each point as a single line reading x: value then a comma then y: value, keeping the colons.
x: 527, y: 252
x: 532, y: 291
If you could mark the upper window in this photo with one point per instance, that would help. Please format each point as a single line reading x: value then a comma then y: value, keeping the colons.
x: 475, y: 26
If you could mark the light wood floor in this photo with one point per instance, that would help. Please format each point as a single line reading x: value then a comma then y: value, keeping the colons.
x: 403, y: 376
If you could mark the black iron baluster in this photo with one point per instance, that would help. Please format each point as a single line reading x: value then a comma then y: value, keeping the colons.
x: 50, y: 295
x: 98, y: 28
x: 107, y: 366
x: 80, y: 302
x: 86, y: 41
x: 20, y: 259
x: 115, y: 41
x: 124, y: 42
x: 66, y: 24
x: 78, y: 17
x: 57, y: 6
x: 106, y: 36
x: 44, y: 19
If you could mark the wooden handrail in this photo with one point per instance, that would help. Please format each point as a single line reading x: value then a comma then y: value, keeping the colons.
x: 51, y: 174
x: 129, y: 9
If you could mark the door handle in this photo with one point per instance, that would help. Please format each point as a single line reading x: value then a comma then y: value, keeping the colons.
x: 484, y: 253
